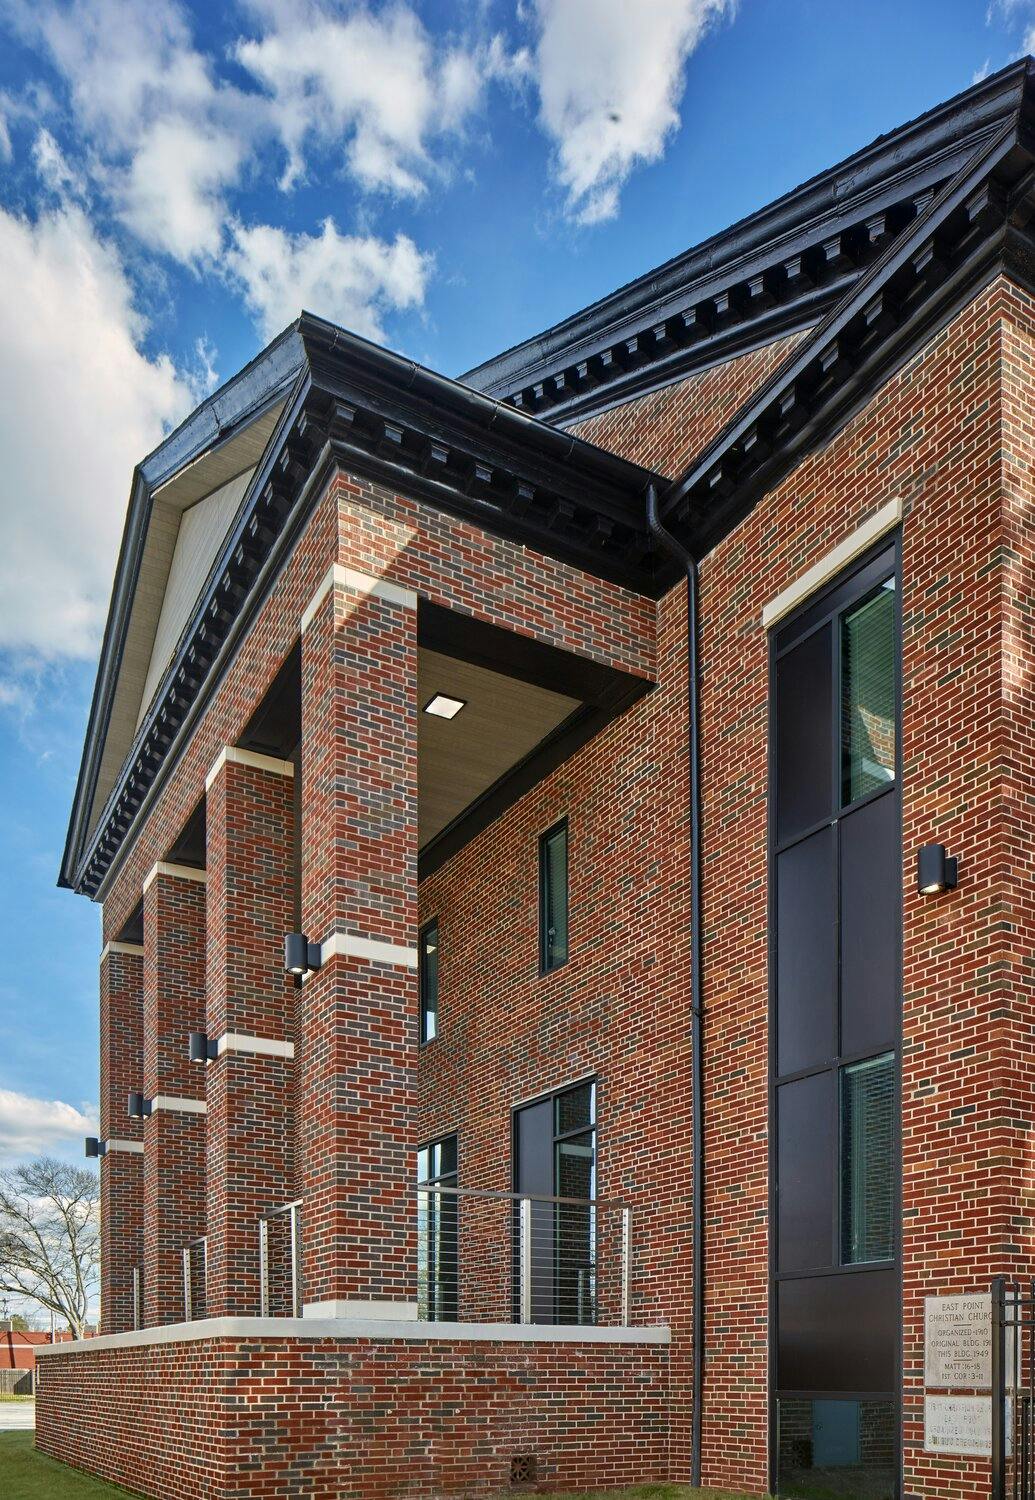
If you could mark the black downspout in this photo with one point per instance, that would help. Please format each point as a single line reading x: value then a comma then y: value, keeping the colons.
x: 668, y: 541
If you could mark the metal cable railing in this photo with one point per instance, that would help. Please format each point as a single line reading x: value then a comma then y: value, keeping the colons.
x: 486, y: 1256
x: 195, y: 1278
x: 280, y: 1274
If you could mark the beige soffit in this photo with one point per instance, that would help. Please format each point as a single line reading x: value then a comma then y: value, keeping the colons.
x: 504, y: 719
x: 201, y: 532
x: 205, y: 475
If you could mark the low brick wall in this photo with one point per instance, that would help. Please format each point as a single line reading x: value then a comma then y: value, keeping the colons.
x: 248, y: 1416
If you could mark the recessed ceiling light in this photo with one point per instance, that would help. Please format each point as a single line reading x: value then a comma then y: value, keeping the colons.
x: 444, y: 707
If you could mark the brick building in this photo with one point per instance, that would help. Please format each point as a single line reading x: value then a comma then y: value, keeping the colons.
x: 620, y: 1092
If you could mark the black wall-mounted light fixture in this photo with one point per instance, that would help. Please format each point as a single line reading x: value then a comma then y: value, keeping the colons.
x: 200, y: 1049
x: 137, y: 1107
x: 94, y: 1147
x: 300, y: 955
x: 935, y: 870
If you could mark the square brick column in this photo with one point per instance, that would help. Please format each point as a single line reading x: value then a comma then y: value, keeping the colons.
x: 358, y: 1014
x: 250, y: 821
x: 174, y: 1134
x: 121, y: 1167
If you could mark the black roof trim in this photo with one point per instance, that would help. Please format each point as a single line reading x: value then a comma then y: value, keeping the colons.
x: 375, y: 413
x: 774, y: 273
x: 979, y: 225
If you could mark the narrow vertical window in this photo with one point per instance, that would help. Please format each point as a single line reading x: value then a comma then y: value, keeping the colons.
x: 868, y: 695
x: 867, y: 1160
x: 438, y: 1241
x: 428, y: 982
x: 553, y: 898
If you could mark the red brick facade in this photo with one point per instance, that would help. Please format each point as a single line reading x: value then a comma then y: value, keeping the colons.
x: 950, y: 437
x: 353, y: 1417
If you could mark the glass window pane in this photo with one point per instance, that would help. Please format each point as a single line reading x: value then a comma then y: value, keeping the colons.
x: 868, y: 694
x: 574, y: 1109
x: 806, y: 952
x: 837, y: 1448
x: 553, y: 897
x: 429, y: 982
x: 438, y: 1240
x: 867, y: 1160
x: 806, y: 1175
x: 804, y: 735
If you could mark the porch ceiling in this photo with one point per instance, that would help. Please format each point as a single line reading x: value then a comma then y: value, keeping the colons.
x: 502, y: 721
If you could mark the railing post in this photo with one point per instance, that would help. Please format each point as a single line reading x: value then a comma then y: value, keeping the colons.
x: 626, y: 1267
x: 188, y: 1308
x: 998, y: 1389
x: 296, y: 1279
x: 264, y: 1297
x: 526, y: 1260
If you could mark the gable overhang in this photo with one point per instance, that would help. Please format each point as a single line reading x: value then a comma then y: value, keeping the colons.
x: 346, y: 404
x: 778, y: 272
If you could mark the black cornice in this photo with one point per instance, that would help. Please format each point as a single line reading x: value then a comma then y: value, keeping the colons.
x: 778, y: 272
x: 978, y: 226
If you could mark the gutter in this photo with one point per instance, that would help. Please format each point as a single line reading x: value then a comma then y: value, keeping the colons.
x: 689, y: 563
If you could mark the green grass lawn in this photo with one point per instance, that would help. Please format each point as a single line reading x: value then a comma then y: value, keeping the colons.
x: 5, y: 1397
x: 28, y: 1475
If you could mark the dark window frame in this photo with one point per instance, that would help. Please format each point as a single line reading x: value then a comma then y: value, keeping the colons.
x: 551, y: 1097
x: 859, y: 579
x: 431, y: 926
x: 548, y: 964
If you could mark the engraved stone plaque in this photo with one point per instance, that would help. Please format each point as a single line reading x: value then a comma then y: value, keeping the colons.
x: 960, y: 1424
x: 958, y: 1342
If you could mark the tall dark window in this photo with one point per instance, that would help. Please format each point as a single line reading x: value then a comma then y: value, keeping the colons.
x: 555, y: 1156
x: 553, y: 898
x: 428, y: 982
x: 438, y: 1238
x: 835, y: 958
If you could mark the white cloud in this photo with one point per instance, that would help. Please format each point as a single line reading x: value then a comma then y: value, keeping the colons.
x: 351, y: 279
x: 373, y: 84
x: 32, y: 1127
x: 80, y: 404
x: 610, y: 75
x: 53, y: 169
x: 168, y: 140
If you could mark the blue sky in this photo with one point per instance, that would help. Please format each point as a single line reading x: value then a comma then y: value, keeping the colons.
x: 177, y: 181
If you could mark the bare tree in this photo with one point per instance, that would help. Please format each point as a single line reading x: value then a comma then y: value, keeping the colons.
x: 49, y: 1237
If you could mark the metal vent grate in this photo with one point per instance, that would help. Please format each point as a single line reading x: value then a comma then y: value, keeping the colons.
x: 522, y: 1469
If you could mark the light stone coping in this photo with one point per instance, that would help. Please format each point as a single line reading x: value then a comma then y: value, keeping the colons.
x: 359, y: 583
x: 231, y: 755
x: 346, y: 945
x: 175, y: 1102
x: 175, y: 872
x: 828, y: 567
x: 136, y: 1147
x: 262, y: 1046
x: 354, y: 1307
x: 350, y: 1329
x: 131, y: 950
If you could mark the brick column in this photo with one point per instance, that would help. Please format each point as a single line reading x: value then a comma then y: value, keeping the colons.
x: 250, y: 1009
x: 174, y: 1135
x: 358, y: 1014
x: 121, y: 1167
